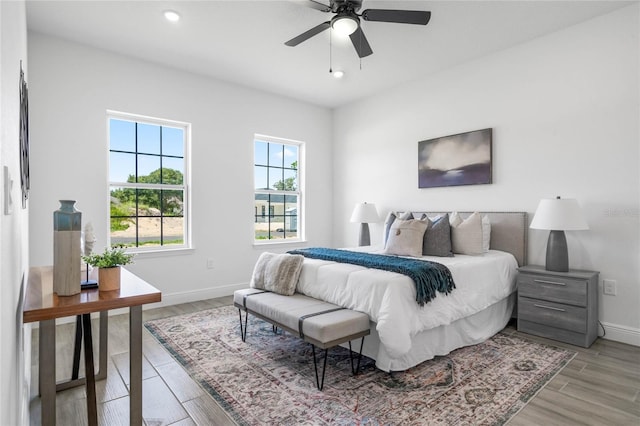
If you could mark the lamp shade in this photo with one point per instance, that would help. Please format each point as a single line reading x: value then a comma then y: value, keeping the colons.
x: 365, y: 213
x: 559, y: 214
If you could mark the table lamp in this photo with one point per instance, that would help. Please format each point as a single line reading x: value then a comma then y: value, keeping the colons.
x: 558, y: 215
x: 365, y: 214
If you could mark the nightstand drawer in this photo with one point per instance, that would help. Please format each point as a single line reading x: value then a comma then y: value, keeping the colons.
x: 557, y: 289
x: 557, y: 315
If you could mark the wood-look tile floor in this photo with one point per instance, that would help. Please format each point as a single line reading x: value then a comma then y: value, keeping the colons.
x: 600, y: 386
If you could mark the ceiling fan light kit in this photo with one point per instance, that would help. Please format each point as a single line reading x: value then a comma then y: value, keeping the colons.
x: 345, y: 25
x: 347, y: 21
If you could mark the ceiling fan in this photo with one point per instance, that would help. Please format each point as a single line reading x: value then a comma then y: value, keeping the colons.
x: 346, y: 21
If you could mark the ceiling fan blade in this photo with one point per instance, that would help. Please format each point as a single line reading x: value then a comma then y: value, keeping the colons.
x: 418, y: 17
x: 315, y: 5
x: 360, y: 43
x: 308, y: 34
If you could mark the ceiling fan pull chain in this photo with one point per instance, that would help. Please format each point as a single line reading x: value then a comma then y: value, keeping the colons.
x: 330, y: 50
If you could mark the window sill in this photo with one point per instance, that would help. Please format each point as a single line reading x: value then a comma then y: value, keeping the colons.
x: 277, y: 242
x: 147, y: 254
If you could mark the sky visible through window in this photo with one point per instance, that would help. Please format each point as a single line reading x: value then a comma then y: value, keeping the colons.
x: 276, y: 156
x: 122, y: 137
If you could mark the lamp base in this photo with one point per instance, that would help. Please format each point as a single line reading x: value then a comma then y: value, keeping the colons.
x: 88, y: 284
x: 557, y: 253
x: 365, y: 239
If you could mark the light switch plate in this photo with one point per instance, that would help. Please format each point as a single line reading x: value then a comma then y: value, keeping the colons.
x: 7, y: 183
x: 609, y: 287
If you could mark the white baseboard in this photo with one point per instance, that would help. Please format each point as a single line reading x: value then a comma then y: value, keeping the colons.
x: 193, y: 296
x: 622, y: 334
x: 188, y: 296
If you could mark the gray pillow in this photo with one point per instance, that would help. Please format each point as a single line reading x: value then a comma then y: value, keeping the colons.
x: 437, y: 239
x: 405, y: 237
x: 391, y: 217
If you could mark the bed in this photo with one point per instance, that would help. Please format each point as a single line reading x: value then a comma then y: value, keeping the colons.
x: 404, y: 334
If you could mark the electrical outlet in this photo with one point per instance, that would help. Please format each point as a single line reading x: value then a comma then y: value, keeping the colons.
x: 209, y: 263
x: 609, y: 287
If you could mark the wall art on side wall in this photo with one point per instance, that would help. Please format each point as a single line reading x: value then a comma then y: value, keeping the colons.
x: 24, y: 139
x: 462, y: 159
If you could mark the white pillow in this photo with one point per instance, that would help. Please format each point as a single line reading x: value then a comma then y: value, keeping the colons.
x: 405, y: 237
x: 486, y: 233
x: 466, y: 235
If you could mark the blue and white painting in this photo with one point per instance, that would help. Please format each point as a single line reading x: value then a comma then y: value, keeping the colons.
x: 463, y: 159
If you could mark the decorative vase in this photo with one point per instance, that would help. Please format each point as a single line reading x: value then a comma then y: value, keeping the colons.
x: 109, y: 278
x: 67, y: 225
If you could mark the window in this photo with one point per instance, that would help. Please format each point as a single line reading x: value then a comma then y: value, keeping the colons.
x: 278, y: 190
x: 148, y: 177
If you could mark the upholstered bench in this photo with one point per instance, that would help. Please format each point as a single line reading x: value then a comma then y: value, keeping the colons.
x: 319, y: 323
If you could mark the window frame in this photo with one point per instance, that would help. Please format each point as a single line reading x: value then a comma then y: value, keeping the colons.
x: 185, y: 187
x: 299, y: 192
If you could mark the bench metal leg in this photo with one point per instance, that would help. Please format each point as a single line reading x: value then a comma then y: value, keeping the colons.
x: 354, y: 372
x: 319, y: 383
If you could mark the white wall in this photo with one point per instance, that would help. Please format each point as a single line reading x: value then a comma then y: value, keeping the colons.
x: 565, y: 116
x: 72, y: 86
x: 15, y: 351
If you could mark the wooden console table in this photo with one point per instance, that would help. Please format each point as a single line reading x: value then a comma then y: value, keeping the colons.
x: 43, y: 305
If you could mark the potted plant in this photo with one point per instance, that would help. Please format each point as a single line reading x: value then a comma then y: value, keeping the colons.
x: 108, y: 264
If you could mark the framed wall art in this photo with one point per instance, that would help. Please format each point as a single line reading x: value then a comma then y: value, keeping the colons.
x: 462, y: 159
x: 24, y: 138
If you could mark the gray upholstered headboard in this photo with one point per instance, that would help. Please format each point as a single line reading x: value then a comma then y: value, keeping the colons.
x: 508, y: 231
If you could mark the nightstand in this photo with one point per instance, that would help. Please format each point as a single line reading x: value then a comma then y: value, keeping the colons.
x: 558, y: 305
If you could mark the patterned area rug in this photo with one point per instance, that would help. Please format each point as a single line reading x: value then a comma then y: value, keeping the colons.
x: 270, y: 379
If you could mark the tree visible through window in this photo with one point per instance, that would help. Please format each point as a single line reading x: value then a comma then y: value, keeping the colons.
x: 277, y: 189
x: 147, y: 179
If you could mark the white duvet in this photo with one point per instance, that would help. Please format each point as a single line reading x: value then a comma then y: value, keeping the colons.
x: 389, y: 298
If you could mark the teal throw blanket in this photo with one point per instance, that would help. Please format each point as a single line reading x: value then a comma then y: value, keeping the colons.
x: 428, y: 276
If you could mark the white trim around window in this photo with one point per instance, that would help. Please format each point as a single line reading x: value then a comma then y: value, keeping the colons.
x: 149, y: 198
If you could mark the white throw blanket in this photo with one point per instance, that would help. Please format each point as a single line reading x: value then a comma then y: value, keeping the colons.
x: 277, y: 272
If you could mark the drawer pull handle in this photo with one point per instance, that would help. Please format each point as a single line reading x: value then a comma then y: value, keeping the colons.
x: 549, y: 282
x: 549, y: 307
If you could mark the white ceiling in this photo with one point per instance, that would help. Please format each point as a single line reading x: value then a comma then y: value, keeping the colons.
x: 242, y: 41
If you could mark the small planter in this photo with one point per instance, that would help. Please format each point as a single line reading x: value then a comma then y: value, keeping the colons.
x: 109, y: 278
x: 108, y: 264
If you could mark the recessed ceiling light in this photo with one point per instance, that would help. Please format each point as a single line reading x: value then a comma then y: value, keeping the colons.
x: 338, y: 74
x: 172, y: 15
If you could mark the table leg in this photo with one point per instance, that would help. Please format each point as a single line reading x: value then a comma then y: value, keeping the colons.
x: 76, y: 349
x: 104, y: 338
x: 47, y: 371
x: 103, y: 348
x: 89, y: 373
x: 135, y: 362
